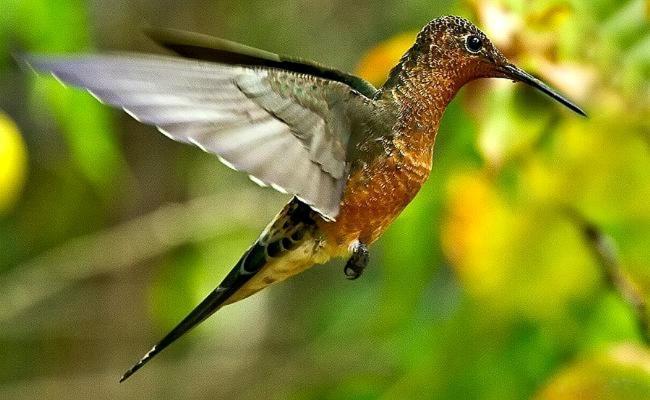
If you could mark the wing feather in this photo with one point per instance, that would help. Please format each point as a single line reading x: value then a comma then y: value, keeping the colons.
x: 287, y: 130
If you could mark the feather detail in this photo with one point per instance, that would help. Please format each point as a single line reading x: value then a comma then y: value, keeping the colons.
x: 287, y: 130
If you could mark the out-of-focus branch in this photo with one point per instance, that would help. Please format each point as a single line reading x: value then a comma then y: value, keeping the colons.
x: 604, y: 250
x: 123, y: 246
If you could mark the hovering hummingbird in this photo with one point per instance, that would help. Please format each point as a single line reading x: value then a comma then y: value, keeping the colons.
x: 353, y: 156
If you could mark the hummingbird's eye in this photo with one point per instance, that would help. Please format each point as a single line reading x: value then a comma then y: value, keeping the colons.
x: 473, y: 43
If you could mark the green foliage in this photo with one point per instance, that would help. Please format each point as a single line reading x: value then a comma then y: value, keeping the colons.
x: 40, y: 27
x: 484, y: 288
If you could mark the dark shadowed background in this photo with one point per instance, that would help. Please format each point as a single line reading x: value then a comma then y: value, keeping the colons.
x: 520, y: 271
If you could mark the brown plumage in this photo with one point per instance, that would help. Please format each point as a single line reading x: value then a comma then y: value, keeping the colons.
x: 353, y: 156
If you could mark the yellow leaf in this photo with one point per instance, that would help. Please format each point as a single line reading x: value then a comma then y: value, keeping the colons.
x: 13, y: 163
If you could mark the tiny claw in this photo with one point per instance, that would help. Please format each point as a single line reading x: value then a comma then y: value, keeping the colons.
x: 357, y: 262
x: 352, y: 273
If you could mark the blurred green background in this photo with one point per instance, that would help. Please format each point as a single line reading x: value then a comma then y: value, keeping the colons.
x: 520, y: 271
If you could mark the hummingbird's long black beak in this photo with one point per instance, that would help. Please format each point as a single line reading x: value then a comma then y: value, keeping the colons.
x: 517, y: 74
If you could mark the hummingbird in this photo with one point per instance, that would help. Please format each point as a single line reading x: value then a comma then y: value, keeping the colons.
x: 352, y: 156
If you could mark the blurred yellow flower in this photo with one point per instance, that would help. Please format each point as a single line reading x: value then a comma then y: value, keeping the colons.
x: 376, y: 64
x: 513, y: 257
x: 621, y: 373
x: 13, y: 163
x: 475, y: 227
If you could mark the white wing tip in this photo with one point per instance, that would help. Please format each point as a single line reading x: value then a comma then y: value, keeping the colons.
x: 279, y: 188
x: 226, y: 163
x: 197, y: 144
x: 131, y: 114
x: 95, y: 96
x: 166, y: 133
x: 61, y: 81
x: 257, y: 181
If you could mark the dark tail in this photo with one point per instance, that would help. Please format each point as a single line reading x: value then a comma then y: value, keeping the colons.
x: 250, y: 263
x: 273, y: 243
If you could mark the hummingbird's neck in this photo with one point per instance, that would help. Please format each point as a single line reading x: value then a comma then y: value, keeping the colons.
x: 422, y: 85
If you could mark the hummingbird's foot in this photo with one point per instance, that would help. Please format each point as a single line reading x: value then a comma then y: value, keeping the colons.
x: 357, y: 262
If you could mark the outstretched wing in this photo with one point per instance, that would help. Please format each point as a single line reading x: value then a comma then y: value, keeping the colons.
x: 208, y: 48
x: 285, y: 129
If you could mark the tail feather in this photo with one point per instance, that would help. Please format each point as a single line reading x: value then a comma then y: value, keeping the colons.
x: 284, y: 234
x: 252, y: 261
x: 199, y: 314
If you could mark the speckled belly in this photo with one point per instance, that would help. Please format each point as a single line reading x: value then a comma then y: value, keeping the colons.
x: 375, y: 195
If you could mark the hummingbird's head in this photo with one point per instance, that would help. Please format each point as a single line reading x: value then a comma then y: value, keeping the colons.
x: 459, y: 51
